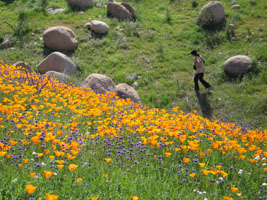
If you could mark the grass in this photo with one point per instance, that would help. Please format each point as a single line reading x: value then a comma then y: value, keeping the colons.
x: 156, y: 49
x: 58, y: 141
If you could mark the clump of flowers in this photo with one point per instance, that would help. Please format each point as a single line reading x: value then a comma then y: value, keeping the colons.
x: 62, y: 135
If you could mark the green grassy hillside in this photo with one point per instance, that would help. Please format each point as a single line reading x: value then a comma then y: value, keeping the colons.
x: 155, y: 51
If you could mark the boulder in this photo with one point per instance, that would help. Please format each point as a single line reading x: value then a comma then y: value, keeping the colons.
x: 58, y: 62
x: 121, y: 11
x: 236, y: 6
x: 125, y: 91
x: 128, y: 7
x: 97, y: 27
x: 55, y: 10
x: 81, y: 3
x: 60, y: 38
x: 59, y: 76
x: 237, y: 65
x: 24, y: 65
x: 211, y: 14
x: 99, y: 83
x: 6, y: 43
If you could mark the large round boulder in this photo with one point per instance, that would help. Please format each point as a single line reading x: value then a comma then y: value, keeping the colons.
x: 81, y: 3
x: 58, y: 62
x: 24, y: 66
x: 97, y: 27
x: 211, y: 14
x: 125, y: 91
x: 237, y: 65
x: 121, y: 11
x: 99, y: 83
x: 60, y: 38
x: 57, y: 75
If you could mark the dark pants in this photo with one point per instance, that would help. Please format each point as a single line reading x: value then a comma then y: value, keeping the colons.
x: 200, y: 76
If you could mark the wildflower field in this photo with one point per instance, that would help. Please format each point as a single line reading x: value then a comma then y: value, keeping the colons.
x: 58, y: 141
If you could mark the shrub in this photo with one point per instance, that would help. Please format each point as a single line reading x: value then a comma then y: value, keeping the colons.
x: 21, y: 28
x: 264, y: 77
x: 168, y: 17
x: 230, y: 33
x: 213, y: 38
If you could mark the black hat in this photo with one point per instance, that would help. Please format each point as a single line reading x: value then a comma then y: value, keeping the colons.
x: 194, y: 52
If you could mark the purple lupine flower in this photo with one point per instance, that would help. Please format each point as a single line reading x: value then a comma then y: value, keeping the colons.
x: 36, y: 164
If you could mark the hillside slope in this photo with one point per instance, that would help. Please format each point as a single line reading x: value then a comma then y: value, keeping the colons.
x: 154, y: 51
x: 58, y: 141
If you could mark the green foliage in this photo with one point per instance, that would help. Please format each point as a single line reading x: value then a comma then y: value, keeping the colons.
x: 1, y: 38
x: 213, y: 39
x: 264, y: 77
x: 44, y: 4
x: 21, y: 28
x: 168, y: 17
x: 261, y: 52
x: 230, y: 33
x: 7, y: 1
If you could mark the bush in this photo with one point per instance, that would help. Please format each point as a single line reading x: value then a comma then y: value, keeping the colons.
x: 21, y: 28
x: 230, y: 33
x: 264, y: 77
x: 213, y: 38
x: 168, y: 17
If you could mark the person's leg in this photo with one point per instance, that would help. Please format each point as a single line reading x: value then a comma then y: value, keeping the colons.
x: 196, y: 82
x: 205, y: 83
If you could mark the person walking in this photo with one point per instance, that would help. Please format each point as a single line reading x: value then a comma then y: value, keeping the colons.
x: 200, y: 70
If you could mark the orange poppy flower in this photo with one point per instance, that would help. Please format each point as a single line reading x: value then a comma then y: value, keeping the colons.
x: 72, y: 167
x: 79, y: 180
x: 202, y: 165
x: 2, y: 153
x: 30, y: 189
x: 167, y: 154
x: 186, y: 160
x: 234, y: 189
x: 32, y: 174
x: 60, y: 166
x: 51, y: 196
x: 48, y: 174
x: 134, y: 197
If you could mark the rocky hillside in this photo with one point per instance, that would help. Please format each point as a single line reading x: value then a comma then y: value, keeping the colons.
x: 146, y: 45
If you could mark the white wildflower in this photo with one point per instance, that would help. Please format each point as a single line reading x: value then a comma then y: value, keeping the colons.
x: 15, y: 180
